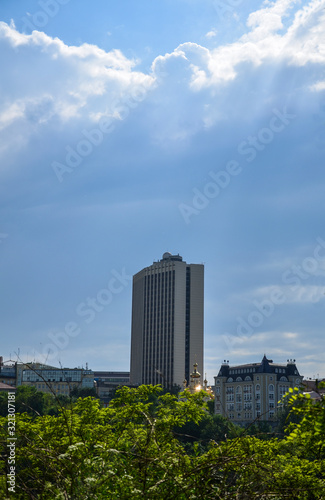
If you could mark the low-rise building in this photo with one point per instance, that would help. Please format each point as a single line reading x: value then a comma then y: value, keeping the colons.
x: 315, y: 388
x: 46, y: 378
x: 7, y: 372
x: 6, y: 388
x: 247, y: 392
x: 56, y: 380
x: 107, y: 382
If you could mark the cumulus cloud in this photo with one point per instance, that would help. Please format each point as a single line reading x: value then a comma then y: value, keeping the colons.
x: 273, y: 58
x: 301, y: 43
x: 70, y: 81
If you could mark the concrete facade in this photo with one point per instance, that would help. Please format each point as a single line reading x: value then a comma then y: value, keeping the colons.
x: 167, y: 322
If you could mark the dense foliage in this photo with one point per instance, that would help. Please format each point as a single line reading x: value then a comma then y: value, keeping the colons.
x: 29, y: 400
x: 150, y: 445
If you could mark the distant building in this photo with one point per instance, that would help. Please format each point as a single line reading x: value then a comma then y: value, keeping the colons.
x: 107, y: 382
x: 56, y: 380
x: 244, y: 393
x: 313, y: 389
x: 6, y: 387
x: 8, y: 372
x: 44, y: 377
x: 167, y: 322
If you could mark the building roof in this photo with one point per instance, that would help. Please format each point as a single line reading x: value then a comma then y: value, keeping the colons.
x: 265, y: 366
x: 111, y: 374
x: 169, y: 256
x: 313, y: 395
x: 6, y: 387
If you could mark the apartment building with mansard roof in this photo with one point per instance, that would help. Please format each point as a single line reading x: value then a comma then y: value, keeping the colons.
x: 244, y: 393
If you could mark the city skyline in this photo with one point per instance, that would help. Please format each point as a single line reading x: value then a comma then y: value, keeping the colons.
x: 133, y: 128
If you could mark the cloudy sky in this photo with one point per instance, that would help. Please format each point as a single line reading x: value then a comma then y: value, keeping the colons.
x: 128, y: 129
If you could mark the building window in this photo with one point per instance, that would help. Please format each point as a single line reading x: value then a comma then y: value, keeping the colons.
x: 283, y: 389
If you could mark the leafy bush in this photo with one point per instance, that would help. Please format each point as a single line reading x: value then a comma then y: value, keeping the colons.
x: 136, y: 449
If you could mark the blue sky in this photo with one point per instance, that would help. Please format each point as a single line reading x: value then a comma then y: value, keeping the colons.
x: 133, y: 128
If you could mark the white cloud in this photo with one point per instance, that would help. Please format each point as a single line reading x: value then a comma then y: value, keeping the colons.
x: 290, y: 335
x: 289, y: 294
x: 211, y: 34
x: 11, y: 113
x: 73, y: 81
x: 269, y: 19
x: 317, y: 87
x: 281, y: 40
x: 85, y: 83
x: 302, y: 43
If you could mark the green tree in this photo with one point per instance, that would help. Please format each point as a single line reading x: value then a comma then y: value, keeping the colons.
x: 83, y: 392
x: 210, y: 428
x: 130, y: 450
x: 307, y: 432
x: 124, y: 451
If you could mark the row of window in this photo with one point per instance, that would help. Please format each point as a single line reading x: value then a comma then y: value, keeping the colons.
x: 241, y: 370
x: 63, y: 388
x: 248, y: 415
x: 247, y: 388
x: 249, y: 378
x: 237, y: 371
x: 51, y: 376
x: 247, y: 406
